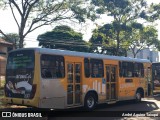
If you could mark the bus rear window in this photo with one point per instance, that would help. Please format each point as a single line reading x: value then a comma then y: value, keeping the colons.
x: 21, y: 60
x: 20, y: 74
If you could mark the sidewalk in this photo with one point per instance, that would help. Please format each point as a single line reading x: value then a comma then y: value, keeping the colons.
x: 155, y: 99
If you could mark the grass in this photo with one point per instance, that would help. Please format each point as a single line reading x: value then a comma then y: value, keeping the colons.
x: 1, y: 95
x: 2, y: 87
x: 2, y: 82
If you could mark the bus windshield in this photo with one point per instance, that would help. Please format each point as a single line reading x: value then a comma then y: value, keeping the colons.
x: 19, y: 74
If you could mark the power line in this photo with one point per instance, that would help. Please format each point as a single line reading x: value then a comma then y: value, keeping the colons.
x: 76, y: 44
x: 73, y: 43
x: 63, y: 42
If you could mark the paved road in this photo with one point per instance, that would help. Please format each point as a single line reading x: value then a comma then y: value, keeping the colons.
x: 126, y: 110
x: 148, y: 109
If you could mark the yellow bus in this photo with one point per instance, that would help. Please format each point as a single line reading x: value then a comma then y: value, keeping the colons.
x: 60, y: 79
x: 156, y: 77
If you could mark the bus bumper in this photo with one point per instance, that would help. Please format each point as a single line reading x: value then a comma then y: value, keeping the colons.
x: 17, y: 101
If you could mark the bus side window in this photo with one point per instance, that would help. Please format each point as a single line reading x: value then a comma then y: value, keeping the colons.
x: 46, y: 73
x: 135, y: 72
x: 52, y: 66
x: 97, y: 70
x: 138, y: 70
x: 87, y: 67
x: 142, y: 70
x: 59, y: 69
x: 127, y: 69
x: 120, y: 69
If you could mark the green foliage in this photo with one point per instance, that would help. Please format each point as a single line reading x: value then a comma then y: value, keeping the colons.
x: 141, y: 38
x: 121, y: 10
x: 12, y: 38
x: 1, y: 2
x: 104, y: 41
x: 154, y: 12
x: 125, y: 32
x: 133, y: 36
x: 125, y: 14
x: 63, y: 37
x: 109, y: 41
x: 150, y: 34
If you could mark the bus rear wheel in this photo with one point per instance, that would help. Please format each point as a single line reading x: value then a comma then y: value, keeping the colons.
x: 138, y: 96
x: 90, y: 102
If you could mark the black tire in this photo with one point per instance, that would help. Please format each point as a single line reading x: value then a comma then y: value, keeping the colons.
x: 90, y: 102
x: 138, y: 96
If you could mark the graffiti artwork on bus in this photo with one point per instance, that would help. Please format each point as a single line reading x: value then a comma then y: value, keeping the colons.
x: 20, y: 86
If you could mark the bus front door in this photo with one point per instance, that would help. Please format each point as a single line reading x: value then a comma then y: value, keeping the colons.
x: 149, y: 82
x: 111, y: 82
x: 73, y: 84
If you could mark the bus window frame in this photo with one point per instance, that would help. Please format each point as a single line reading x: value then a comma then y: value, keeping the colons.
x: 19, y: 52
x: 87, y: 75
x: 140, y: 68
x: 50, y: 55
x: 92, y: 62
x: 128, y: 67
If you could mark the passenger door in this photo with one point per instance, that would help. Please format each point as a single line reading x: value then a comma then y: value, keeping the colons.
x: 111, y: 82
x: 149, y: 82
x: 74, y: 83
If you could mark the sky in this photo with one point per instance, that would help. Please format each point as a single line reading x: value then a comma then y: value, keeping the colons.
x: 8, y: 25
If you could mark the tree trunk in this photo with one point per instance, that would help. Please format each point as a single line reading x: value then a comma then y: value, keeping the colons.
x: 21, y: 39
x: 21, y: 43
x: 126, y: 53
x: 21, y: 32
x: 118, y: 43
x: 134, y: 55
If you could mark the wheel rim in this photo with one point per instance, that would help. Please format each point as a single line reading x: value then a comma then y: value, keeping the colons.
x: 90, y: 102
x: 138, y: 96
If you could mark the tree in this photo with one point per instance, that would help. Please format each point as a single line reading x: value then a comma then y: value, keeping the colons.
x: 133, y: 37
x: 63, y: 37
x: 123, y: 13
x: 104, y: 38
x: 1, y: 2
x: 153, y: 13
x: 141, y: 38
x: 12, y: 38
x: 37, y: 13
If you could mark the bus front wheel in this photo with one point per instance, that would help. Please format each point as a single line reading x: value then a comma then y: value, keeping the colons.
x: 90, y: 102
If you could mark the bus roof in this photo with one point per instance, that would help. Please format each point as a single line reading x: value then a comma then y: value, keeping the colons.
x: 83, y: 54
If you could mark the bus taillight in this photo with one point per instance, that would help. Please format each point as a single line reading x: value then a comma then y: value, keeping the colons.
x: 33, y: 90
